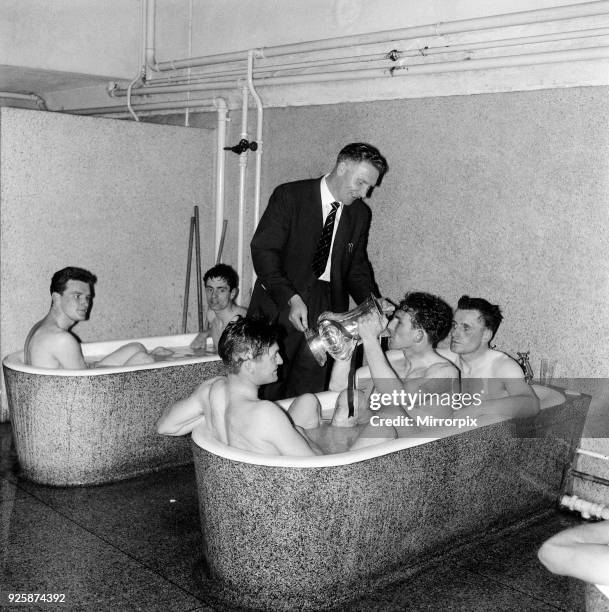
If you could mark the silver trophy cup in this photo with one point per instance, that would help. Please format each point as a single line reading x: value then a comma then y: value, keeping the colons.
x: 337, y: 332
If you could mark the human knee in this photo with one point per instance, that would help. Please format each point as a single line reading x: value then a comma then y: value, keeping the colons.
x: 341, y: 416
x: 306, y: 411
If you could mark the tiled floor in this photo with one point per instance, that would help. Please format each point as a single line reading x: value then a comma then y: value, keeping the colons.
x: 136, y: 545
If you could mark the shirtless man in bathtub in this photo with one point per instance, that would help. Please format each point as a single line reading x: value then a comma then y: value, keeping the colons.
x: 50, y: 343
x: 229, y: 405
x: 412, y: 363
x: 221, y: 290
x: 495, y: 375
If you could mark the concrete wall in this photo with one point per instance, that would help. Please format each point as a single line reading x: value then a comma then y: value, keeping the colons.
x: 112, y: 196
x: 501, y: 196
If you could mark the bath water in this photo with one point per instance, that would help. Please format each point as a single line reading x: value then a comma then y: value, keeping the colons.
x: 163, y: 354
x: 334, y: 440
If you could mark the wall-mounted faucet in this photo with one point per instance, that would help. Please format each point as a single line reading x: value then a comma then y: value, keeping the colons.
x: 523, y: 360
x: 242, y: 146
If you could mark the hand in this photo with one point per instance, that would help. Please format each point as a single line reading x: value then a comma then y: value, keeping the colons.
x: 298, y: 313
x: 369, y: 327
x: 200, y: 341
x: 387, y: 306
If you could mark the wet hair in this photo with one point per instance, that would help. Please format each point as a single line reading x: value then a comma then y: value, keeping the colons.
x: 224, y: 272
x: 490, y: 313
x: 429, y: 313
x: 362, y: 151
x: 60, y: 279
x: 245, y: 338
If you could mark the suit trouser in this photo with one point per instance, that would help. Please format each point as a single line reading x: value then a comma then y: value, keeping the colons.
x: 300, y: 372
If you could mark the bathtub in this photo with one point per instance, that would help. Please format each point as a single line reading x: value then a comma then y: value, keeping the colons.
x: 83, y: 427
x: 284, y: 533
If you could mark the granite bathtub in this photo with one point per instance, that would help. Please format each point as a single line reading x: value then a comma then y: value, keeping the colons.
x: 83, y: 427
x: 283, y: 533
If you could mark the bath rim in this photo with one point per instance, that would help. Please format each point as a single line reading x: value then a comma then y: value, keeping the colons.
x: 202, y: 438
x: 15, y: 360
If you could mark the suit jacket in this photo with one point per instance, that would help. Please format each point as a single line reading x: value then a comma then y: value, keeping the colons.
x: 286, y: 239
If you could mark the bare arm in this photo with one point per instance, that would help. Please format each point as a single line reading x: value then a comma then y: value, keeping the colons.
x: 520, y: 401
x: 384, y: 376
x: 67, y: 351
x: 184, y: 415
x: 581, y: 552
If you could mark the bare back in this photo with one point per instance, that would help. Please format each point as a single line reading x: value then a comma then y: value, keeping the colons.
x: 262, y: 426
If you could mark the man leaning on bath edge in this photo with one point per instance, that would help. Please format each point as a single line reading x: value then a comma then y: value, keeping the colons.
x: 228, y: 406
x: 51, y: 344
x: 309, y: 252
x: 229, y: 409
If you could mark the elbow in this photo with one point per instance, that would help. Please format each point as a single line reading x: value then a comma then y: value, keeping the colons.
x: 542, y: 555
x: 164, y: 427
x: 547, y: 557
x: 161, y: 428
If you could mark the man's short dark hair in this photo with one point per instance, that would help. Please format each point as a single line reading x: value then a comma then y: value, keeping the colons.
x: 245, y: 338
x: 429, y: 313
x: 60, y: 279
x: 225, y: 272
x: 362, y: 151
x: 490, y: 313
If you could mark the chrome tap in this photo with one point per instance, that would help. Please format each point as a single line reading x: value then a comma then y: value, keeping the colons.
x: 523, y: 360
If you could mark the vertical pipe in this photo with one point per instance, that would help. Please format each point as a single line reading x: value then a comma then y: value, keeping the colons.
x: 259, y: 119
x: 188, y: 267
x: 198, y: 263
x: 242, y: 176
x: 150, y: 61
x: 222, y: 110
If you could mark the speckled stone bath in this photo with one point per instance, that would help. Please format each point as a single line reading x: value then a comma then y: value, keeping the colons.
x: 84, y: 427
x: 313, y: 533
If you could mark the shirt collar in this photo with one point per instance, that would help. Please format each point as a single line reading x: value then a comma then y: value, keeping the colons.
x: 326, y: 195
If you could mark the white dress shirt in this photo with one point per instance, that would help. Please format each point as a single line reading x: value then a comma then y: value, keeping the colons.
x: 326, y: 206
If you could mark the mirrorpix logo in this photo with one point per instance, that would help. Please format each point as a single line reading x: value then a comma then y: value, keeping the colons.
x: 408, y: 401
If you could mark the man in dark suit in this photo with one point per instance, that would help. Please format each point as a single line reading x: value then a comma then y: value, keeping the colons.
x: 309, y: 253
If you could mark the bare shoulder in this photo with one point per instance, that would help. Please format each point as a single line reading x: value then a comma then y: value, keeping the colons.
x: 56, y: 348
x: 57, y: 342
x: 268, y: 407
x: 237, y: 311
x: 269, y: 413
x: 217, y: 385
x: 506, y: 367
x: 442, y: 369
x: 447, y: 354
x: 218, y: 390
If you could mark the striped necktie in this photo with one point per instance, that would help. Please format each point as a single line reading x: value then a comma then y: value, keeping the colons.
x: 325, y: 240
